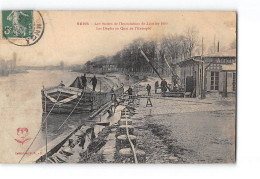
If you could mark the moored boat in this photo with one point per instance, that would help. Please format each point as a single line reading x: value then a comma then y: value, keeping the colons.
x: 62, y: 99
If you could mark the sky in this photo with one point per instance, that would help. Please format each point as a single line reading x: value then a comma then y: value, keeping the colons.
x: 64, y: 40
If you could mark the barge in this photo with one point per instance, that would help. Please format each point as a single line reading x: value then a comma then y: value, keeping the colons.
x: 62, y: 100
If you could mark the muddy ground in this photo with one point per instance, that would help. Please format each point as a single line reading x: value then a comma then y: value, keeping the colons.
x: 197, y: 137
x: 186, y: 130
x: 183, y: 130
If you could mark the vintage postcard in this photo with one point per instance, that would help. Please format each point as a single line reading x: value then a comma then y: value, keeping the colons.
x: 118, y: 86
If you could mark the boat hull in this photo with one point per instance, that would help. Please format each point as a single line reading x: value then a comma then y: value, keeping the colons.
x: 64, y: 100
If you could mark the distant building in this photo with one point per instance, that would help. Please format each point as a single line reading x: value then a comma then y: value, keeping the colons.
x: 209, y: 75
x: 11, y: 65
x: 3, y: 68
x: 96, y: 67
x: 7, y: 66
x: 108, y: 68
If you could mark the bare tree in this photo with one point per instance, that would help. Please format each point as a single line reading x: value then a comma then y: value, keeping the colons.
x: 174, y: 47
x: 191, y: 36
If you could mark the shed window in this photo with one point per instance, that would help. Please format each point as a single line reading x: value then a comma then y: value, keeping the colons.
x: 214, y: 81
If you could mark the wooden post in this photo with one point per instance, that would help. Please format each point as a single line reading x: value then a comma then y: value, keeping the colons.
x: 226, y: 85
x: 125, y: 121
x: 202, y: 80
x: 122, y: 130
x: 123, y: 141
x: 184, y: 80
x: 46, y: 133
x: 45, y: 105
x: 149, y: 102
x: 126, y: 156
x: 199, y: 89
x: 100, y: 85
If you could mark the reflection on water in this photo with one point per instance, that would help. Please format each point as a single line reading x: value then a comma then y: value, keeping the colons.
x: 54, y: 121
x: 21, y: 106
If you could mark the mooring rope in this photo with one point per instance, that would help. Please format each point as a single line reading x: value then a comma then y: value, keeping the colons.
x: 40, y: 127
x: 72, y: 111
x: 131, y: 144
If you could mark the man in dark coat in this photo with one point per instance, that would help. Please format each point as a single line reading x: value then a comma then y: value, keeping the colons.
x: 94, y: 82
x: 148, y: 88
x: 164, y: 86
x: 82, y: 141
x: 130, y: 92
x: 84, y: 81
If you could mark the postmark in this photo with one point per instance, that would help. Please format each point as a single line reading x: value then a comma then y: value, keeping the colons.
x: 22, y: 27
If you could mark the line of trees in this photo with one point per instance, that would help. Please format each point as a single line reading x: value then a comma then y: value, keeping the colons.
x: 174, y: 48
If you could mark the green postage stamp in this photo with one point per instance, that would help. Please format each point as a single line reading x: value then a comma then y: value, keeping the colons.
x: 17, y: 24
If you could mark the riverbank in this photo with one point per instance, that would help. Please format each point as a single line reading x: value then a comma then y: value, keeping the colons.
x: 187, y: 130
x: 173, y: 130
x: 7, y: 73
x: 183, y: 130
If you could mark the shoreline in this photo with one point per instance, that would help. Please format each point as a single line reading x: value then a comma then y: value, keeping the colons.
x: 173, y: 131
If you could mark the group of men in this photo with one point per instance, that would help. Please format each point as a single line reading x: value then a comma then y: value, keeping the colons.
x: 156, y: 86
x: 130, y: 90
x: 93, y: 80
x: 84, y: 82
x: 148, y: 88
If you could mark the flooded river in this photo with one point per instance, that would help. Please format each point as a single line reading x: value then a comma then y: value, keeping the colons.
x: 21, y: 107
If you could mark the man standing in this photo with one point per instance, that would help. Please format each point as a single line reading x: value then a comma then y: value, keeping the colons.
x: 82, y: 141
x: 148, y: 88
x: 113, y: 97
x: 84, y: 81
x: 164, y: 86
x: 130, y: 92
x: 94, y: 82
x: 113, y: 94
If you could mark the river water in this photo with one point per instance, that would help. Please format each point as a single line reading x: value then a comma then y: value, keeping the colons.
x: 21, y: 107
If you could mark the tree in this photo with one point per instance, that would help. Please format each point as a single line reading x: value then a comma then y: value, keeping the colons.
x: 172, y: 47
x: 191, y: 36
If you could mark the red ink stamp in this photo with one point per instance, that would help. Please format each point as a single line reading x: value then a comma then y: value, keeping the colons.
x: 22, y: 133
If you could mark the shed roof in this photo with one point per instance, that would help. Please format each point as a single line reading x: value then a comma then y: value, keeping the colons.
x: 189, y: 61
x: 192, y: 60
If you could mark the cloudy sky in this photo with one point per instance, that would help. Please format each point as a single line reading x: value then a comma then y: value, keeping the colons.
x: 64, y: 40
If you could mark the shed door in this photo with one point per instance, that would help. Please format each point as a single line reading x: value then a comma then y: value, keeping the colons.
x: 189, y: 84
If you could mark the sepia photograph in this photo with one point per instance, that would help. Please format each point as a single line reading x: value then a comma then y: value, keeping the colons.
x: 142, y: 87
